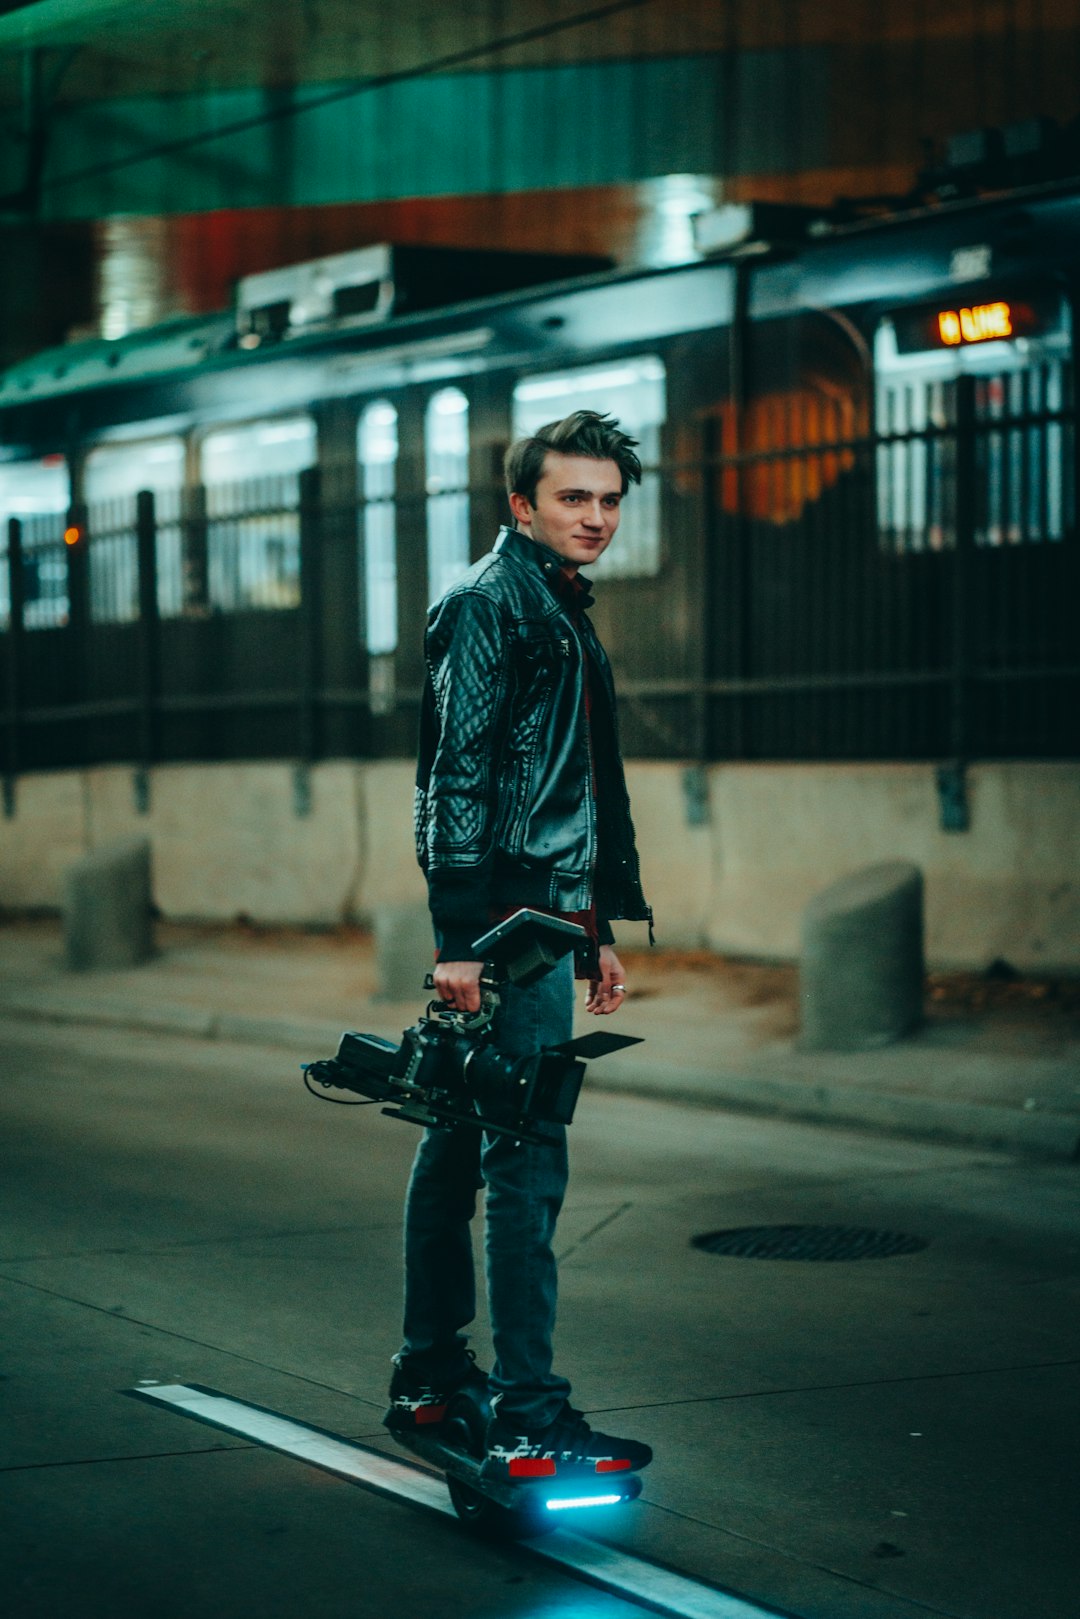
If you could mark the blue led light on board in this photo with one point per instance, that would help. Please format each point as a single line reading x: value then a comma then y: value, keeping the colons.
x: 565, y: 1503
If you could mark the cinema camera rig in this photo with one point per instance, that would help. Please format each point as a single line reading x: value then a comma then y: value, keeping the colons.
x: 448, y: 1071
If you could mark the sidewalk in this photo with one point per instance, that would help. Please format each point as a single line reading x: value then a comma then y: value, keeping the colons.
x: 997, y: 1063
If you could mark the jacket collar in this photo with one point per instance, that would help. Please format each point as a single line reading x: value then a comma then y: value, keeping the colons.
x: 512, y: 543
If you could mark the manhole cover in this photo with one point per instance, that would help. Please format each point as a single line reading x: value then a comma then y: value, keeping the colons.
x: 813, y: 1242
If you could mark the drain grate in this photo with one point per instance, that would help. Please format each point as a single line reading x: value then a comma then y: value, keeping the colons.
x: 809, y: 1242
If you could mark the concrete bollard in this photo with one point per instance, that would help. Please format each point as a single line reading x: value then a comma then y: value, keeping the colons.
x: 108, y: 919
x: 404, y: 951
x: 861, y: 965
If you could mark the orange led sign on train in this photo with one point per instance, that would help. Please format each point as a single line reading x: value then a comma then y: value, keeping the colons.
x: 982, y: 323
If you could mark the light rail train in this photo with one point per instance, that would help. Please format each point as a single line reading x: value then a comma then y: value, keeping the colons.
x: 856, y: 537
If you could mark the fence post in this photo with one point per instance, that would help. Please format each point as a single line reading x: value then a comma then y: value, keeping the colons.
x: 16, y: 593
x: 966, y: 520
x: 309, y: 638
x: 194, y: 583
x: 705, y: 546
x: 79, y: 673
x: 77, y: 550
x: 737, y: 529
x: 149, y: 638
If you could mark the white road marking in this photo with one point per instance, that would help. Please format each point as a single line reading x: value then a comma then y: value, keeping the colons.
x: 632, y: 1578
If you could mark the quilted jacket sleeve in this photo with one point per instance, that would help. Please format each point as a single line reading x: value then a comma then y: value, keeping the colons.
x: 468, y: 655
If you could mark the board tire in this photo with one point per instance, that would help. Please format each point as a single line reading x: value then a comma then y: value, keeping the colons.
x: 464, y: 1428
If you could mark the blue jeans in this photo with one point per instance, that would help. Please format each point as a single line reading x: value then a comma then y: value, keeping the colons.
x: 525, y: 1190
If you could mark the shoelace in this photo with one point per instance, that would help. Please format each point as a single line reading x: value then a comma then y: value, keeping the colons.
x: 571, y: 1432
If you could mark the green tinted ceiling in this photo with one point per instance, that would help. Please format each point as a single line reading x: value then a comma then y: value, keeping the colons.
x: 133, y: 47
x: 578, y: 124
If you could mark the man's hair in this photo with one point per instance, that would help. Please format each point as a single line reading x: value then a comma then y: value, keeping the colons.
x: 583, y: 432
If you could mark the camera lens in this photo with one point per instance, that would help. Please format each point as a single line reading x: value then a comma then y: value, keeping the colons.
x: 490, y: 1079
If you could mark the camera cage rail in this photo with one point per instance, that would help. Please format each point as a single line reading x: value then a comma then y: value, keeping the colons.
x: 518, y: 951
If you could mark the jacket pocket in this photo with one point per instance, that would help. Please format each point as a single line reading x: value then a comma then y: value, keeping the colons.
x: 540, y: 655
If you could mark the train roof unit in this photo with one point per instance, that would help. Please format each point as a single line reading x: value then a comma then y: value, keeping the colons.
x: 371, y: 284
x: 326, y: 297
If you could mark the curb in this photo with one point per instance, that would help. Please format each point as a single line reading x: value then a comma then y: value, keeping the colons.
x: 968, y: 1124
x: 763, y: 1093
x: 104, y: 1012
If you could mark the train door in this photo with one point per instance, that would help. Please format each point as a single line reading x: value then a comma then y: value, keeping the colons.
x: 791, y: 604
x: 415, y: 513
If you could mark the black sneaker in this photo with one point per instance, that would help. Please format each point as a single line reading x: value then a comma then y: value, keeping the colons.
x: 568, y: 1446
x: 418, y: 1400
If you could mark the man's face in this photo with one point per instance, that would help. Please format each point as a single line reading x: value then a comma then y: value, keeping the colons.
x: 577, y: 507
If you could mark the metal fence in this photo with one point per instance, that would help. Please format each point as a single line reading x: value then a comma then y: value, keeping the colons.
x: 900, y: 593
x: 908, y: 592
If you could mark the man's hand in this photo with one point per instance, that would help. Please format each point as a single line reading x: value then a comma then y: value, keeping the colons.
x: 607, y: 993
x: 458, y: 984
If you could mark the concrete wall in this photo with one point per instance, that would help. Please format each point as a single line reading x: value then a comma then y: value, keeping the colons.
x: 1010, y: 886
x: 226, y: 838
x: 227, y: 841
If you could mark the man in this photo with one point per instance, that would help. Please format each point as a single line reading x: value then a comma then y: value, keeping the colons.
x: 520, y: 801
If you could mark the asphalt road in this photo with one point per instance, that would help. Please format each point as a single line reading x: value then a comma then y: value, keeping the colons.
x: 881, y: 1438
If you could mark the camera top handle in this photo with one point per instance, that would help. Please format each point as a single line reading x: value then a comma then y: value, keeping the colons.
x: 518, y: 950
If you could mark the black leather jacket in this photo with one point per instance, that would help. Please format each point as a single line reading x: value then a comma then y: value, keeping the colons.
x: 520, y: 798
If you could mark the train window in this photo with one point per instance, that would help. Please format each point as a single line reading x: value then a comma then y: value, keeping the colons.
x: 38, y: 493
x: 446, y: 456
x: 377, y: 451
x: 633, y: 390
x: 991, y: 379
x: 113, y: 475
x: 786, y: 453
x: 251, y: 473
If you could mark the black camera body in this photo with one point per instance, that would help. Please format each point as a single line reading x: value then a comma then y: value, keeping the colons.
x: 447, y: 1071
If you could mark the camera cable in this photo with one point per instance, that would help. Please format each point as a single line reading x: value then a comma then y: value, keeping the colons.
x: 323, y: 1095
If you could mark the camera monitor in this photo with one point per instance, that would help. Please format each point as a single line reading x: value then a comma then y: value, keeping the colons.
x: 527, y: 945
